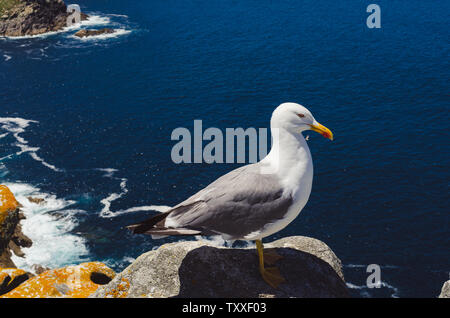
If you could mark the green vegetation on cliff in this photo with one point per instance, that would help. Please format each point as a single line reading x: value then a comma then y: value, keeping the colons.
x: 5, y: 5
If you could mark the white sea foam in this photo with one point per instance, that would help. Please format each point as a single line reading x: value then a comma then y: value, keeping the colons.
x: 46, y: 164
x: 16, y: 126
x: 355, y: 266
x: 94, y: 20
x: 107, y: 213
x: 118, y: 15
x: 119, y: 263
x: 109, y: 172
x: 156, y: 208
x: 53, y: 244
x: 7, y: 57
x: 365, y: 290
x: 215, y: 240
x: 106, y: 210
x: 365, y: 266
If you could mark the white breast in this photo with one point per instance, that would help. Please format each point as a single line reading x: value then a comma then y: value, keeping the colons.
x: 295, y: 171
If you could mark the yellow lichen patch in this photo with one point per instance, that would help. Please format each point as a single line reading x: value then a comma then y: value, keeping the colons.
x: 67, y: 282
x: 121, y: 291
x: 7, y: 202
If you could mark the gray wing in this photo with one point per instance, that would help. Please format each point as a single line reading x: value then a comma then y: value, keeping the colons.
x: 236, y: 204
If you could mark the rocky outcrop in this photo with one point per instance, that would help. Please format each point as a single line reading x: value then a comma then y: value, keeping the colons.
x: 9, y: 215
x: 85, y: 33
x: 32, y: 17
x: 36, y: 200
x: 201, y: 269
x: 11, y: 236
x: 78, y: 281
x: 445, y: 292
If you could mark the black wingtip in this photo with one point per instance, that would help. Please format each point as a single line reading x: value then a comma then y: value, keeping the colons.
x: 137, y: 228
x: 145, y: 226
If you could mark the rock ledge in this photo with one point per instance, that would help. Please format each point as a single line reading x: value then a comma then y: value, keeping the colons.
x: 201, y: 269
x: 445, y: 292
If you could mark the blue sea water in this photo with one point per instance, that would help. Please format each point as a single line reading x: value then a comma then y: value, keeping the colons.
x: 86, y: 124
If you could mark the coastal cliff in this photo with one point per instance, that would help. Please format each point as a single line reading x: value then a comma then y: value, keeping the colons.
x: 11, y: 240
x: 32, y: 17
x: 78, y: 281
x: 11, y: 236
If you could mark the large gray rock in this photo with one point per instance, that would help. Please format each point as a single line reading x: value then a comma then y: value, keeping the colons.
x: 202, y: 269
x: 445, y: 292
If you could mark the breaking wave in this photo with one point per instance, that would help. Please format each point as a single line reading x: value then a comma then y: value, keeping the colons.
x: 48, y: 224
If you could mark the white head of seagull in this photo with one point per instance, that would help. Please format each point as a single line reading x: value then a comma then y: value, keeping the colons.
x: 289, y: 157
x: 295, y: 119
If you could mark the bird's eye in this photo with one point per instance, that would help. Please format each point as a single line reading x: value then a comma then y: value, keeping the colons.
x: 300, y: 115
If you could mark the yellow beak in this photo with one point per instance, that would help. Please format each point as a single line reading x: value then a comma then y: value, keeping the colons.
x: 321, y: 129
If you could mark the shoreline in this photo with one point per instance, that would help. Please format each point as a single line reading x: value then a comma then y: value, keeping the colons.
x: 92, y: 20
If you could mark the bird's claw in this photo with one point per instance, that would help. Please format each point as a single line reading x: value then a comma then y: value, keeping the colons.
x: 272, y: 276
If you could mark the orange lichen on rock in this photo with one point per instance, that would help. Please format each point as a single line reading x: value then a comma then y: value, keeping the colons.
x: 8, y: 202
x: 121, y: 291
x: 68, y: 282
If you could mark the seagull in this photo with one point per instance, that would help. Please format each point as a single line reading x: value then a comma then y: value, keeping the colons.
x: 255, y: 200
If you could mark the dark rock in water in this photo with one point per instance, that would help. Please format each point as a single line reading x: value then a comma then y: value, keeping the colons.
x: 39, y: 269
x: 201, y: 269
x: 5, y: 259
x: 32, y: 17
x: 19, y: 238
x: 86, y: 33
x: 445, y: 292
x: 36, y: 200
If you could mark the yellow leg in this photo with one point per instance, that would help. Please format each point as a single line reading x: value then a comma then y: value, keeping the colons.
x: 271, y: 257
x: 271, y: 275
